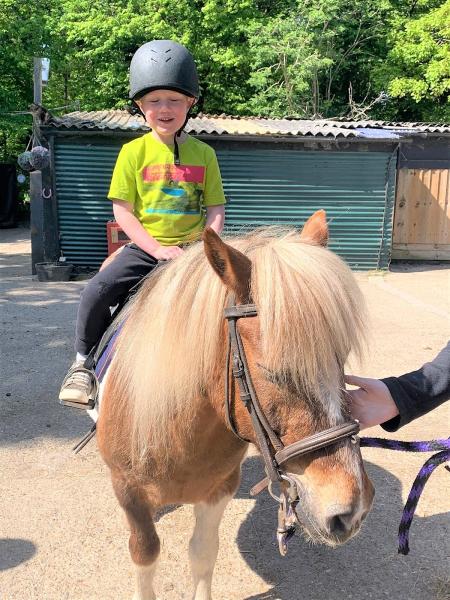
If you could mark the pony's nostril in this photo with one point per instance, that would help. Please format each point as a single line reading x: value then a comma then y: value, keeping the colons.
x: 337, y: 526
x: 340, y: 524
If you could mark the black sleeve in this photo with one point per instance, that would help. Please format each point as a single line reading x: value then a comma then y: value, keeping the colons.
x: 421, y: 391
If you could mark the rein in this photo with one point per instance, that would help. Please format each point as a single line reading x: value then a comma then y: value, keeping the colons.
x: 275, y: 454
x: 442, y: 449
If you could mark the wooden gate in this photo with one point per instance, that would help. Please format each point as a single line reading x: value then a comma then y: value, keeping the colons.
x: 422, y: 215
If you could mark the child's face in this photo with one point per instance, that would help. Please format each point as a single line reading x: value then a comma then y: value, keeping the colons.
x: 165, y: 112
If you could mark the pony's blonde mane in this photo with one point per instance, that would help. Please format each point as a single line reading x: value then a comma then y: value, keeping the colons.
x: 311, y: 316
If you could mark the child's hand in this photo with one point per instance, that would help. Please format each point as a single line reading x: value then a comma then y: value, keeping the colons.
x: 167, y: 252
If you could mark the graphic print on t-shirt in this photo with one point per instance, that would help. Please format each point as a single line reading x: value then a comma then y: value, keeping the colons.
x: 178, y: 189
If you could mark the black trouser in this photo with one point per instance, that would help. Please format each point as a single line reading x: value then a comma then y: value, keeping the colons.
x: 108, y: 288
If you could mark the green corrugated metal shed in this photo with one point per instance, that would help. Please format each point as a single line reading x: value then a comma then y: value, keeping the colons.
x: 274, y: 171
x: 265, y: 183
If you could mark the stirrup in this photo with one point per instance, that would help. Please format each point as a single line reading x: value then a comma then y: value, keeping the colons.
x: 83, y: 405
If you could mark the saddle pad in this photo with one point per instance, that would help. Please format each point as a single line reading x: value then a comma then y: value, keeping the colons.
x: 106, y: 356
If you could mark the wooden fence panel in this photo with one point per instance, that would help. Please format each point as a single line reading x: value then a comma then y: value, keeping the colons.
x: 422, y: 214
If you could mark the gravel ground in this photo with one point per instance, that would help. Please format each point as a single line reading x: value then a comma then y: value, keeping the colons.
x: 62, y: 535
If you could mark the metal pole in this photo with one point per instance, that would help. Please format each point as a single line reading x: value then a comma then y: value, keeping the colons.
x: 37, y: 80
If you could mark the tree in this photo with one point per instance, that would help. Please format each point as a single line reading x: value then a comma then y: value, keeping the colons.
x: 92, y: 45
x: 416, y: 73
x: 269, y: 57
x: 23, y: 34
x: 304, y: 60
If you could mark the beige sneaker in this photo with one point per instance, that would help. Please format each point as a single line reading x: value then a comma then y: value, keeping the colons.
x: 79, y: 387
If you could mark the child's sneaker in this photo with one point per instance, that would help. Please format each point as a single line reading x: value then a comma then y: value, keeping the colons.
x: 79, y: 387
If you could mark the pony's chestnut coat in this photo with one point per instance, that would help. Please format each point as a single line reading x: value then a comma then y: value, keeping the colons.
x: 162, y: 429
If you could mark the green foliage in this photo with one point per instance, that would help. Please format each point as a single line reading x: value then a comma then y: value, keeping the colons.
x: 100, y: 39
x: 284, y: 64
x: 304, y: 60
x: 275, y: 58
x: 22, y: 35
x: 417, y: 70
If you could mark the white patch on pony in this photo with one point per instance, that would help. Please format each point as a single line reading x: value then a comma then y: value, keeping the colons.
x: 332, y: 403
x: 144, y: 582
x: 204, y: 545
x: 93, y: 413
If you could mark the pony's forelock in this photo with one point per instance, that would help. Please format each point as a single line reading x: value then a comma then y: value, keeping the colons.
x: 311, y: 315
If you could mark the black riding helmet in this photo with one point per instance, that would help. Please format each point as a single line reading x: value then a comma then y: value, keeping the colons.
x: 163, y: 64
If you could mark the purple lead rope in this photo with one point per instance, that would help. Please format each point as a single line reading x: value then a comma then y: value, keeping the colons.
x: 442, y: 449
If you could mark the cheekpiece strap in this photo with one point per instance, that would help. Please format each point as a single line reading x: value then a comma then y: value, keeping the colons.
x: 240, y: 310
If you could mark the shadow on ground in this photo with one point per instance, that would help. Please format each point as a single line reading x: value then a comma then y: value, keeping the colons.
x: 419, y: 266
x: 13, y: 552
x: 12, y: 265
x: 368, y: 567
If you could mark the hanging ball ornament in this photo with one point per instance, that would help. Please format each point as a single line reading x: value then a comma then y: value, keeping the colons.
x: 40, y: 157
x: 24, y: 161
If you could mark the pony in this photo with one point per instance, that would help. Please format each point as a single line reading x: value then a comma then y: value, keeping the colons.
x: 163, y: 428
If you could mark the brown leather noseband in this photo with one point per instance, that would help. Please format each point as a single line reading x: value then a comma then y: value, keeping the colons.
x: 273, y: 451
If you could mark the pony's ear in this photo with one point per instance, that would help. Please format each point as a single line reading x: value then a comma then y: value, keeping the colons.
x: 315, y: 230
x: 233, y: 267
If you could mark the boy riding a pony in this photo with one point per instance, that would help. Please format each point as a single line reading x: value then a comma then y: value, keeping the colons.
x: 166, y: 188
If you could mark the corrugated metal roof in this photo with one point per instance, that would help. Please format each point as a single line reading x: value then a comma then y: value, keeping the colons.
x: 399, y: 127
x: 378, y: 134
x: 209, y: 124
x: 242, y: 126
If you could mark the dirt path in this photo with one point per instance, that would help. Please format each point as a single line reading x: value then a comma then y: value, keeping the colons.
x: 61, y: 532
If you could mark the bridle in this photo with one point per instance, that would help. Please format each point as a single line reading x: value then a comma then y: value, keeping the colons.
x: 273, y: 451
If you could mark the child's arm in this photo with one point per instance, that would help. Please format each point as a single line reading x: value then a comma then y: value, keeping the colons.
x: 123, y: 213
x: 215, y: 217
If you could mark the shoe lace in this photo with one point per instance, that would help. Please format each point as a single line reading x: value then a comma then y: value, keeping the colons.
x: 80, y: 377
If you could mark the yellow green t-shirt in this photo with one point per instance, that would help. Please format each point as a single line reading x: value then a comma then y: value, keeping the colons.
x: 168, y: 200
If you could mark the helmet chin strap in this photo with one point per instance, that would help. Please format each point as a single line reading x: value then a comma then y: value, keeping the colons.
x: 176, y: 150
x: 133, y: 109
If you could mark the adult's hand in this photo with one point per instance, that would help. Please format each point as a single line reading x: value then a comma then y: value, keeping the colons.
x: 371, y: 403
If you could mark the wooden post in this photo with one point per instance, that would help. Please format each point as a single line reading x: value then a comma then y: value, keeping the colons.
x: 37, y: 80
x: 36, y: 220
x: 43, y: 219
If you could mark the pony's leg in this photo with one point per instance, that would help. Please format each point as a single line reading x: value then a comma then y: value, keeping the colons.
x: 144, y: 542
x: 144, y: 582
x: 204, y: 545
